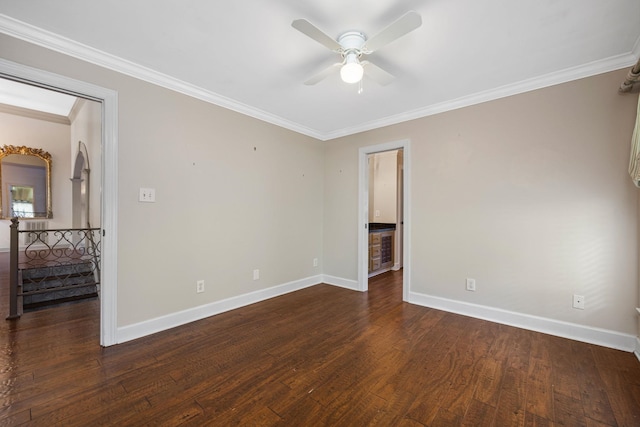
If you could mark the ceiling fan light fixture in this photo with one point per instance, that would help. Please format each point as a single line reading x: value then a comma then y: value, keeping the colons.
x: 353, y: 44
x: 352, y: 71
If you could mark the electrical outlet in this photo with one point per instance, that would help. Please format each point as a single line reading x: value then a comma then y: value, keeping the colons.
x: 315, y: 262
x: 578, y: 302
x: 200, y: 286
x: 256, y: 274
x: 471, y: 284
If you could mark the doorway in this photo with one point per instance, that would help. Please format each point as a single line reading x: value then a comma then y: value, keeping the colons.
x: 109, y: 130
x: 385, y: 211
x: 402, y: 230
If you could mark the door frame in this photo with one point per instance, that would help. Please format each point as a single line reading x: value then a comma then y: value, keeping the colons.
x: 363, y: 213
x: 109, y: 206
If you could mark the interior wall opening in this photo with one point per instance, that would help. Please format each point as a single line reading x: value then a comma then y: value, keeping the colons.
x: 104, y: 102
x: 385, y: 170
x: 384, y: 210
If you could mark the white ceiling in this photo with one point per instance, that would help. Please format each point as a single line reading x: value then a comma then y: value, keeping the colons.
x: 244, y: 54
x: 35, y: 98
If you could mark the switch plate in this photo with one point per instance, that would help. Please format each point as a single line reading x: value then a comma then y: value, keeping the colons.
x: 315, y: 262
x: 256, y: 274
x: 200, y: 286
x: 147, y: 195
x: 578, y: 302
x: 471, y: 284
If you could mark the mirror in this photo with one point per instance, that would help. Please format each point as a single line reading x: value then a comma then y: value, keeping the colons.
x: 25, y: 182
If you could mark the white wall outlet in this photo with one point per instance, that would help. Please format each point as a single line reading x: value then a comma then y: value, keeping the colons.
x: 471, y: 284
x: 377, y: 213
x: 200, y: 286
x: 578, y: 302
x: 315, y: 262
x: 147, y: 195
x: 256, y: 274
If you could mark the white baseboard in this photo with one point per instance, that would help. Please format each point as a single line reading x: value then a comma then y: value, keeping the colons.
x: 339, y: 281
x: 573, y: 331
x: 148, y: 327
x: 559, y: 328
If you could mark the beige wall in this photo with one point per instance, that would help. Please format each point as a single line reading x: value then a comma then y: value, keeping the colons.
x: 53, y: 138
x: 529, y: 195
x: 233, y: 194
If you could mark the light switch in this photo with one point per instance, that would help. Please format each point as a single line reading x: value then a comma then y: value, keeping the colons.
x: 147, y: 195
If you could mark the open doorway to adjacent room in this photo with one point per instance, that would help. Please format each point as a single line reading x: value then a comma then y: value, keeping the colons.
x: 383, y: 211
x: 83, y: 170
x: 52, y: 196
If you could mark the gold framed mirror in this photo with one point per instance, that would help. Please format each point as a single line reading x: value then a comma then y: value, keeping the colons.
x: 25, y: 182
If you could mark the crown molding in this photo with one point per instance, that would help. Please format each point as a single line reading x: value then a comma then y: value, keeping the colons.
x: 38, y: 36
x: 33, y: 114
x: 551, y: 79
x: 76, y: 108
x: 55, y: 42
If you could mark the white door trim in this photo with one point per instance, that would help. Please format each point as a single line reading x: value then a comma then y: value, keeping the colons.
x: 109, y: 221
x: 363, y: 214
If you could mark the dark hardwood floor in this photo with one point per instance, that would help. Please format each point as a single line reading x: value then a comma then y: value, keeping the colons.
x: 317, y: 357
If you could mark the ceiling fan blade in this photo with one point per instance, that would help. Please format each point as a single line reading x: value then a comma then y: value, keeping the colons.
x: 322, y: 74
x: 377, y: 74
x: 307, y: 28
x: 401, y: 26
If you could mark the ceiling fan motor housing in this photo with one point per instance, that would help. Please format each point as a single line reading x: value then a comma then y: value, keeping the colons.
x: 352, y: 42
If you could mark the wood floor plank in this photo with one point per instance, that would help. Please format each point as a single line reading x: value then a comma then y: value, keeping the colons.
x: 479, y: 414
x: 319, y: 356
x: 568, y: 411
x: 265, y: 403
x: 305, y: 411
x: 260, y: 416
x: 624, y: 396
x: 612, y: 360
x: 533, y: 420
x: 364, y: 411
x: 446, y: 418
x: 564, y: 374
x: 43, y: 395
x: 511, y: 403
x: 520, y: 353
x: 106, y: 404
x: 177, y: 415
x: 539, y: 393
x: 428, y: 366
x: 595, y: 401
x: 9, y: 417
x: 462, y: 385
x: 395, y: 409
x: 489, y: 380
x: 502, y: 344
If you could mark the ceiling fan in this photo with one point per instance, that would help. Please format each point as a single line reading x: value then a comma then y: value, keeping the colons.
x: 352, y: 45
